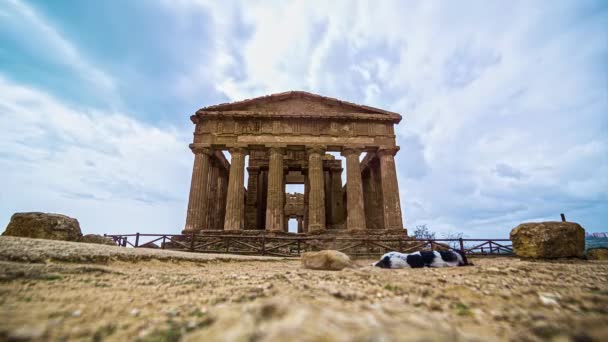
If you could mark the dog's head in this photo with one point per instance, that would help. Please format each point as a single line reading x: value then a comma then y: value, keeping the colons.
x: 385, y: 261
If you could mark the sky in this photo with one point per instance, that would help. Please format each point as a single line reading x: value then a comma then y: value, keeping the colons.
x: 504, y: 103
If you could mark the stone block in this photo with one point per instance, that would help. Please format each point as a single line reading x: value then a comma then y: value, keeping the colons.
x: 44, y: 226
x: 326, y: 260
x: 546, y: 240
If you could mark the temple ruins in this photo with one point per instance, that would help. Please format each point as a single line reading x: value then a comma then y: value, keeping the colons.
x: 287, y: 137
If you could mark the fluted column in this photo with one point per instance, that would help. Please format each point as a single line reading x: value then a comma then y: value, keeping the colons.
x: 316, y: 194
x: 235, y: 202
x: 355, y: 214
x: 252, y: 198
x: 390, y: 189
x: 337, y: 203
x: 300, y: 226
x: 220, y: 204
x: 275, y: 216
x: 197, y: 203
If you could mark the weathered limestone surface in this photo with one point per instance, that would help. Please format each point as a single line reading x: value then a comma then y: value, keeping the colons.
x: 43, y: 226
x: 316, y: 201
x: 326, y: 260
x: 600, y: 253
x: 539, y: 240
x: 355, y: 214
x: 276, y: 194
x: 236, y: 193
x: 390, y: 189
x: 197, y: 204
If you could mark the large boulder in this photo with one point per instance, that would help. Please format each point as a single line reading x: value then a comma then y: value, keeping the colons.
x: 540, y: 240
x: 600, y: 253
x: 44, y: 226
x: 94, y: 238
x: 326, y: 260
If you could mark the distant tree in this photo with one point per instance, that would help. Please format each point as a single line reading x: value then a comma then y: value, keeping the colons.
x: 453, y: 235
x: 422, y: 232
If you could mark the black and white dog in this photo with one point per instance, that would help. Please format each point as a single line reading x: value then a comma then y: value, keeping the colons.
x: 420, y: 259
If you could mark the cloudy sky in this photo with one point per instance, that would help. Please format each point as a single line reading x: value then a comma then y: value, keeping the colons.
x: 505, y: 103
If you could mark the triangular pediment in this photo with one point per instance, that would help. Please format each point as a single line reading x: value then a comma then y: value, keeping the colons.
x: 294, y: 102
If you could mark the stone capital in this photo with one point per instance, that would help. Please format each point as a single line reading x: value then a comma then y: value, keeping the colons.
x: 253, y: 169
x: 351, y: 151
x: 336, y: 169
x: 388, y: 151
x: 320, y: 150
x: 237, y: 150
x: 197, y: 149
x: 276, y: 150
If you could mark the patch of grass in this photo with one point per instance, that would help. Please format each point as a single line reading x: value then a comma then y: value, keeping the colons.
x: 462, y: 309
x: 104, y: 331
x: 171, y: 334
x: 198, y: 313
x: 51, y: 277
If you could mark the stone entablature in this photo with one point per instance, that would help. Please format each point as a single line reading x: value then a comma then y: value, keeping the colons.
x: 287, y: 136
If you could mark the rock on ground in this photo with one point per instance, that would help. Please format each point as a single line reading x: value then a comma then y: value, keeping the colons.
x: 600, y: 253
x: 326, y: 260
x: 539, y: 240
x: 94, y: 238
x: 44, y: 226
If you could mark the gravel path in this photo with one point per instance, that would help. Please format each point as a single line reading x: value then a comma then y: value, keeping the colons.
x: 172, y: 298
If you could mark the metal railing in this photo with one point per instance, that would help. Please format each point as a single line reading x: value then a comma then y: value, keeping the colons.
x: 293, y: 246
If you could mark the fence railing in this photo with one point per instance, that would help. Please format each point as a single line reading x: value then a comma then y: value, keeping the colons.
x: 293, y: 246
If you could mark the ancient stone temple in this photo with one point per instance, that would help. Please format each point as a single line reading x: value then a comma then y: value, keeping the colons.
x: 287, y: 137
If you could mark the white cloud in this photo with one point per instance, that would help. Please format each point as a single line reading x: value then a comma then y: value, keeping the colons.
x: 113, y: 173
x: 504, y: 109
x: 485, y: 88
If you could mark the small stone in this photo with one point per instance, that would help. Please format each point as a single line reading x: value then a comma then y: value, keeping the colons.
x: 27, y: 332
x: 326, y: 260
x: 548, y: 299
x: 134, y: 312
x: 76, y: 313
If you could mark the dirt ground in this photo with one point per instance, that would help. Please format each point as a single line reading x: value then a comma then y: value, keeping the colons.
x: 266, y: 299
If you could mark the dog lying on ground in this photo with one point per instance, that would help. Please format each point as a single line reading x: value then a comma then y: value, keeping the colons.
x: 450, y: 258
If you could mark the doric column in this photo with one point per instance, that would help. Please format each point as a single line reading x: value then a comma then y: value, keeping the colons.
x: 211, y: 194
x: 262, y: 199
x: 275, y: 216
x: 328, y: 198
x: 390, y: 189
x: 252, y: 198
x: 337, y: 203
x: 197, y: 202
x: 220, y: 204
x: 316, y: 194
x: 306, y: 195
x: 300, y: 226
x: 355, y: 214
x: 235, y: 202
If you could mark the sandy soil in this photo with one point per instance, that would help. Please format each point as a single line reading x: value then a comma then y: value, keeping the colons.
x: 159, y: 298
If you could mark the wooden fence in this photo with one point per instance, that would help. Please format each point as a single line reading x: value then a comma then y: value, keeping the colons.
x: 294, y: 246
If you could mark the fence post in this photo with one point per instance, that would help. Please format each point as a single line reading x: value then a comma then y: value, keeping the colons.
x: 491, y: 250
x: 563, y: 217
x: 124, y: 241
x: 136, y: 240
x: 264, y: 244
x: 192, y: 242
x: 461, y: 245
x: 299, y: 252
x: 162, y: 246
